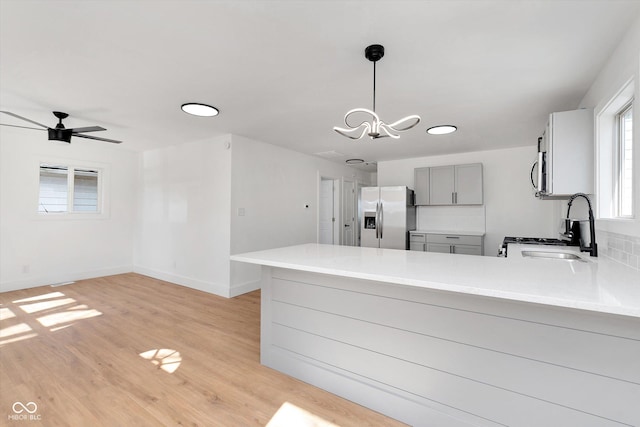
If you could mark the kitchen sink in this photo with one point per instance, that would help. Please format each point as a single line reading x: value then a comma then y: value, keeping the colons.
x: 552, y: 255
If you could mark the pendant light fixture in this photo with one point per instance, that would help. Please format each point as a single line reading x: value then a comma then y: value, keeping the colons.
x: 377, y: 128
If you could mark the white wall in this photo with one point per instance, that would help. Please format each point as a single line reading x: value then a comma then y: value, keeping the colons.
x: 623, y: 64
x: 510, y: 206
x: 182, y: 232
x: 272, y: 185
x: 37, y: 250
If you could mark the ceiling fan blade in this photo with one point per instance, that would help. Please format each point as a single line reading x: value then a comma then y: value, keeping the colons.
x: 87, y: 129
x: 25, y: 119
x: 23, y: 127
x: 97, y: 139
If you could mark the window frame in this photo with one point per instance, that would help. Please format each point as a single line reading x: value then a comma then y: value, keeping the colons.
x: 619, y: 168
x: 73, y: 165
x: 607, y: 155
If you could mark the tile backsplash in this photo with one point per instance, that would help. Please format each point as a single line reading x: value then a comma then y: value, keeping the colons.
x: 619, y: 247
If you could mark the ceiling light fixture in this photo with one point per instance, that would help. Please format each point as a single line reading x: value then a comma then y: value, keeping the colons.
x: 377, y: 128
x: 353, y: 161
x: 441, y: 129
x: 197, y: 109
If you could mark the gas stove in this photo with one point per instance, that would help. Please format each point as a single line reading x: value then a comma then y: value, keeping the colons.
x: 502, y: 251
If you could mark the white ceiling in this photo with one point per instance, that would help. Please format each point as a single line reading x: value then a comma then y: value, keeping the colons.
x: 286, y: 72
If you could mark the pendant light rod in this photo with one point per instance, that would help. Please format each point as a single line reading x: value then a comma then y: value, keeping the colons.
x: 374, y: 53
x: 374, y: 86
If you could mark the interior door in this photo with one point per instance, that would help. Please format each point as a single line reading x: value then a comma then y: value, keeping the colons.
x: 349, y: 213
x: 337, y: 221
x: 325, y: 214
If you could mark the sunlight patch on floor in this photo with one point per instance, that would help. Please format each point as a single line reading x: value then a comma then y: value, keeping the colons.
x: 56, y: 311
x: 164, y: 358
x: 70, y: 315
x: 46, y: 305
x: 61, y: 327
x: 290, y: 415
x: 6, y: 313
x: 20, y: 328
x: 40, y: 297
x: 14, y: 333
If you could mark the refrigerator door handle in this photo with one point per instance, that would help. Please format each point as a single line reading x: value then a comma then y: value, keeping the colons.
x: 377, y: 220
x: 381, y: 219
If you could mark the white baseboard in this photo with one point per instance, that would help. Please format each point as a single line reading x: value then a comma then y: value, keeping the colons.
x: 243, y: 288
x: 54, y: 279
x: 201, y: 285
x: 222, y: 290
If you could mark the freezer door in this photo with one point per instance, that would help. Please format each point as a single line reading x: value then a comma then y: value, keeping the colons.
x: 370, y: 203
x: 393, y: 217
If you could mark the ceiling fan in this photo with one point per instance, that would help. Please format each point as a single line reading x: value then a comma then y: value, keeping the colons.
x: 60, y: 133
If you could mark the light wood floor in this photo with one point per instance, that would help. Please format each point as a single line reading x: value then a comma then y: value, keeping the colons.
x: 128, y: 350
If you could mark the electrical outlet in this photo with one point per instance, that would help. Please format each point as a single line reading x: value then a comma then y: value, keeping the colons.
x: 26, y: 268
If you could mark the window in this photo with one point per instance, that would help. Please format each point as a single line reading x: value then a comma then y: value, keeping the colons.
x: 614, y: 150
x: 624, y: 193
x: 69, y: 189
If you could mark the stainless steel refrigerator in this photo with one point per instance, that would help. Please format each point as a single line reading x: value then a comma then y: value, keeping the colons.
x: 388, y: 214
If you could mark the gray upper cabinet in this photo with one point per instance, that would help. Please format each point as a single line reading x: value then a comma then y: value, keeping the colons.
x: 468, y: 189
x: 449, y: 185
x: 442, y: 185
x: 421, y: 184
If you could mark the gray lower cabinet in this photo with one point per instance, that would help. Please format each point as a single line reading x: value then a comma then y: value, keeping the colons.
x: 447, y: 243
x: 416, y: 246
x: 467, y: 250
x: 417, y: 241
x: 438, y: 247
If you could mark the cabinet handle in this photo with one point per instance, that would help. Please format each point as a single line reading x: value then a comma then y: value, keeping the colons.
x: 456, y: 197
x: 453, y: 237
x: 452, y: 249
x: 453, y: 200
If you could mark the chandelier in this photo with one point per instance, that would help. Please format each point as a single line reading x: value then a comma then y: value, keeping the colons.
x: 376, y: 128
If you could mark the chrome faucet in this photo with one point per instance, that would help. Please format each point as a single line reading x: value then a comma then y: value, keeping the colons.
x: 593, y: 247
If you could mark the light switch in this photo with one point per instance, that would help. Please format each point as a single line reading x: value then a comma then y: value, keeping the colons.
x: 240, y: 211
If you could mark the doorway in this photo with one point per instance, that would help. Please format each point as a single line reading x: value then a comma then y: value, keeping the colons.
x: 328, y: 210
x: 349, y: 213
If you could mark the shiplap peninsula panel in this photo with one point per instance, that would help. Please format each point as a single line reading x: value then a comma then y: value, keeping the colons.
x: 434, y: 358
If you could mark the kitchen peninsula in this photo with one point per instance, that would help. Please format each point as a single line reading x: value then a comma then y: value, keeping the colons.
x: 438, y: 339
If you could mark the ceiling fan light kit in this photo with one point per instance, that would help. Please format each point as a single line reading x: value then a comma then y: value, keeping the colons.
x: 377, y: 128
x: 59, y: 132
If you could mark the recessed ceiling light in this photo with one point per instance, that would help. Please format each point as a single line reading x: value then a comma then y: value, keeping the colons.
x: 197, y: 109
x: 354, y: 161
x: 441, y: 129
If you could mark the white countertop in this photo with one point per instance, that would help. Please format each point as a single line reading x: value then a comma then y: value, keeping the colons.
x: 455, y: 232
x: 599, y: 285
